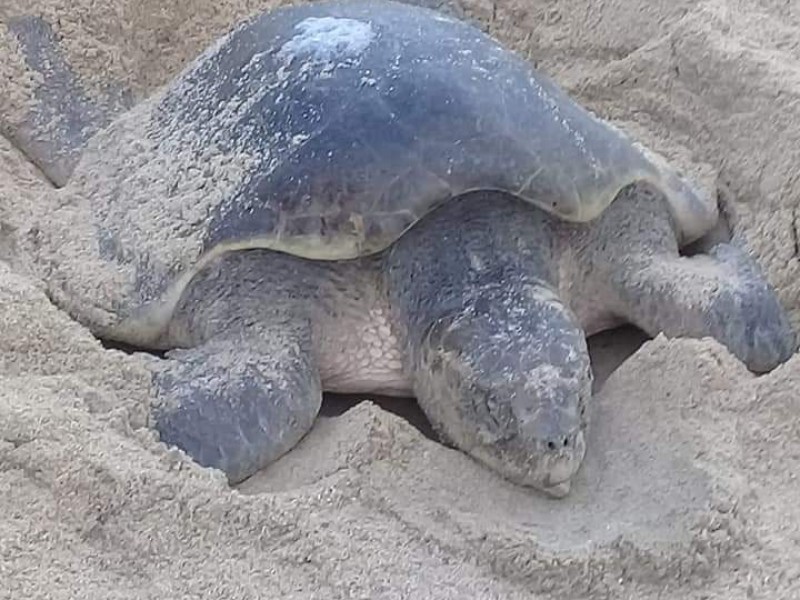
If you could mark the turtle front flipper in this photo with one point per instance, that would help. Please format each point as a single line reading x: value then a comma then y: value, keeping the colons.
x: 238, y: 403
x: 61, y: 115
x: 722, y: 294
x: 244, y: 388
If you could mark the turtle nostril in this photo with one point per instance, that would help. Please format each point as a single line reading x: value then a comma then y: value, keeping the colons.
x: 554, y: 445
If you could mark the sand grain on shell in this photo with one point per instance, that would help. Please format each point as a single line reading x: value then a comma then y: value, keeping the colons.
x: 690, y: 487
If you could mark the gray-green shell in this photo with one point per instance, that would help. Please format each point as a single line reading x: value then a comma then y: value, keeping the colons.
x: 328, y: 129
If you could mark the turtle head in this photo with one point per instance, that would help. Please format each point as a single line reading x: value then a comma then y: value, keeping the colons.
x: 508, y: 381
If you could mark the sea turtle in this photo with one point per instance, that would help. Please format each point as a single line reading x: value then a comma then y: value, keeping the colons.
x: 368, y: 196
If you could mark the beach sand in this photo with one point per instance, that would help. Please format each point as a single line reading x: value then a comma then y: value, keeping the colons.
x: 690, y: 487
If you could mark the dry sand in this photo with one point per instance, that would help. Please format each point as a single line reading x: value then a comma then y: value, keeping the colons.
x: 690, y: 489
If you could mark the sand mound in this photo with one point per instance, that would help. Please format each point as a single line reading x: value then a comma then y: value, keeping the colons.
x: 690, y: 487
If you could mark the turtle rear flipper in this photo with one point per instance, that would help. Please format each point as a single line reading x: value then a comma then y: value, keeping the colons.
x: 62, y: 115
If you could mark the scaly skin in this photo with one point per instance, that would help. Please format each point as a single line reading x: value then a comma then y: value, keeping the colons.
x: 488, y: 309
x: 481, y: 309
